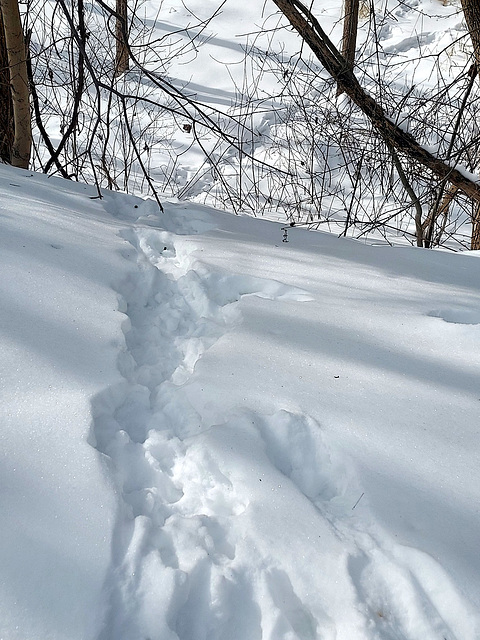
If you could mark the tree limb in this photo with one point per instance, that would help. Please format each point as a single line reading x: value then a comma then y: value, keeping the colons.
x: 308, y: 27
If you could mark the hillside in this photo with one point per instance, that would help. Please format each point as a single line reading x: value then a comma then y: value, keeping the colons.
x: 209, y: 433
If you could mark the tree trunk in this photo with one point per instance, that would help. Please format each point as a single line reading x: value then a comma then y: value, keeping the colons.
x: 121, y: 56
x: 475, y: 243
x: 350, y: 27
x: 471, y: 11
x: 17, y: 65
x: 349, y: 40
x: 6, y: 108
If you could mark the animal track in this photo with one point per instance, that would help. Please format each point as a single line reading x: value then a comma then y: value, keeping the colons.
x: 213, y: 517
x: 172, y: 536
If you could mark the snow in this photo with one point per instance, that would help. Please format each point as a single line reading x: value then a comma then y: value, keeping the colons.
x: 60, y: 335
x: 208, y: 433
x: 212, y: 434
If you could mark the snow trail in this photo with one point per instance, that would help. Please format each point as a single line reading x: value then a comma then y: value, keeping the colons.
x: 244, y: 529
x: 169, y: 488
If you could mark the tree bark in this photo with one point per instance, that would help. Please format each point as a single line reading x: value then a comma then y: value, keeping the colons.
x: 475, y: 242
x: 6, y: 108
x: 349, y: 40
x: 471, y: 11
x: 350, y: 27
x: 17, y: 65
x: 121, y: 54
x: 337, y: 66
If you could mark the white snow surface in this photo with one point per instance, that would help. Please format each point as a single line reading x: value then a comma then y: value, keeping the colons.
x: 210, y: 434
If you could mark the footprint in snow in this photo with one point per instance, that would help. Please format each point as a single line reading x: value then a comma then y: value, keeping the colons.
x: 172, y: 541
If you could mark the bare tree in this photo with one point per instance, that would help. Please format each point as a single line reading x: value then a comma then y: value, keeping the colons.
x: 121, y: 37
x: 17, y: 65
x: 7, y: 132
x: 350, y: 27
x: 346, y: 163
x: 308, y: 27
x: 471, y: 10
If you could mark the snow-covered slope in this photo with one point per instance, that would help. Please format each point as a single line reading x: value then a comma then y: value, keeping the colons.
x: 208, y: 433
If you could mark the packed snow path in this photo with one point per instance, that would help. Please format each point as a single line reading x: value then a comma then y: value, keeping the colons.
x: 244, y: 529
